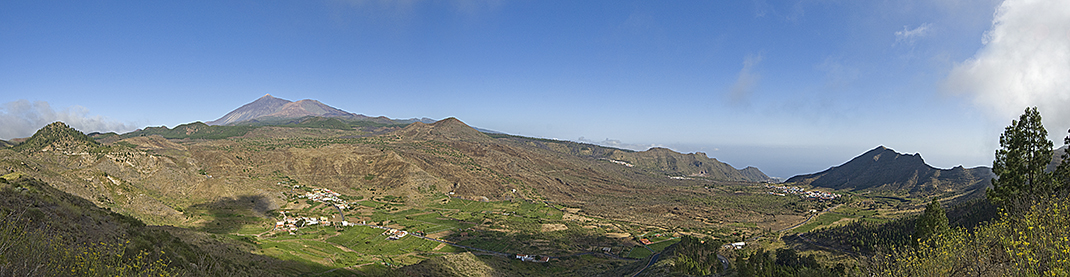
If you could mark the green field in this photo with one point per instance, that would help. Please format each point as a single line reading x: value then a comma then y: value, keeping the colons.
x: 661, y: 245
x: 370, y: 240
x: 821, y: 220
x: 311, y: 250
x: 502, y: 226
x: 362, y: 245
x: 639, y: 252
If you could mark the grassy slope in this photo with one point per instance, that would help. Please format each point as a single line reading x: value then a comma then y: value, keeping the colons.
x: 43, y: 210
x: 232, y: 186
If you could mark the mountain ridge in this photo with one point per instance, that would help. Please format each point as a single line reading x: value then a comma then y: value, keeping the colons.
x: 262, y: 106
x: 883, y: 169
x: 267, y: 109
x: 449, y: 129
x: 57, y: 136
x: 692, y: 165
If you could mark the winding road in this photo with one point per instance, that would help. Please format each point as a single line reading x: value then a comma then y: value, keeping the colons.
x: 653, y: 259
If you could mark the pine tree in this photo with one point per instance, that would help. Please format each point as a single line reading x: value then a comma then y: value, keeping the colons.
x: 1024, y: 153
x: 932, y: 222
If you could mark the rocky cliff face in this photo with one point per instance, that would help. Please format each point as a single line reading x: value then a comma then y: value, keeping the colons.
x: 694, y: 165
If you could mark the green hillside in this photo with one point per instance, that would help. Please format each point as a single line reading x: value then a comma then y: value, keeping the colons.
x: 47, y: 232
x: 195, y: 130
x: 58, y: 136
x: 467, y: 201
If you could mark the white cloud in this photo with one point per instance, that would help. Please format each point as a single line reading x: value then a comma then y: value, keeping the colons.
x: 619, y: 144
x: 748, y: 79
x: 908, y: 36
x: 19, y: 119
x: 1025, y: 61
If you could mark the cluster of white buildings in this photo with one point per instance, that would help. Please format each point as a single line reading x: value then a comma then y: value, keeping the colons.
x: 736, y: 245
x: 803, y: 193
x: 395, y: 234
x: 621, y: 163
x: 326, y: 196
x: 532, y: 258
x: 290, y: 223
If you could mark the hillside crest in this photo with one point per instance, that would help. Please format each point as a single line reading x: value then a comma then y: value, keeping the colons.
x: 886, y: 170
x: 446, y: 129
x: 693, y: 165
x: 269, y: 107
x: 57, y: 136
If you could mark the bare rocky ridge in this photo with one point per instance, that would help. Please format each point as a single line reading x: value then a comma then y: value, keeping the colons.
x: 156, y: 177
x: 184, y: 178
x: 217, y: 179
x: 446, y: 129
x: 689, y: 165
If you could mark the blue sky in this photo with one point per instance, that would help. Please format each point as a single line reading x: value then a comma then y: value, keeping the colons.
x: 791, y: 87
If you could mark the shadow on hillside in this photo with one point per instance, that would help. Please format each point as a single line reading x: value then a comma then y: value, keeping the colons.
x: 228, y: 215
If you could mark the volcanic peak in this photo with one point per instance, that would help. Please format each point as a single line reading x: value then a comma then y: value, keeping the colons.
x: 269, y: 107
x: 261, y: 107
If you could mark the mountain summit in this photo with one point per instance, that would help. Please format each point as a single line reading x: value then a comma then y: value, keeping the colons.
x: 884, y: 169
x: 269, y: 107
x: 446, y: 129
x: 691, y: 165
x: 261, y: 107
x: 59, y: 137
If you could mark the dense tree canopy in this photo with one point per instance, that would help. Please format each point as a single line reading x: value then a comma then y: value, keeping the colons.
x: 1027, y: 237
x: 1024, y: 154
x: 932, y: 222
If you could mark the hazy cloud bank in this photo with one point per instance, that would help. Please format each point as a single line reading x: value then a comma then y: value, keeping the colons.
x: 619, y: 144
x: 19, y: 119
x: 1025, y: 61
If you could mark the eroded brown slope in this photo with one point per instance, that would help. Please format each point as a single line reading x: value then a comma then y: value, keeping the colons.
x: 159, y: 180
